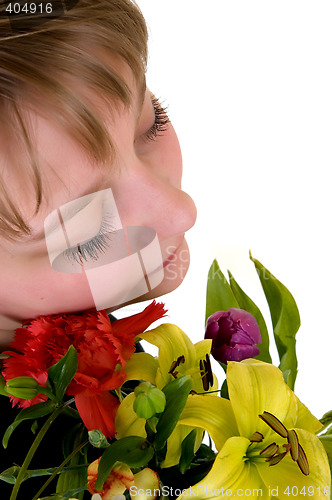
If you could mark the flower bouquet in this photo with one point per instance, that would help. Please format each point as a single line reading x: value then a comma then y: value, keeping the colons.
x: 163, y: 427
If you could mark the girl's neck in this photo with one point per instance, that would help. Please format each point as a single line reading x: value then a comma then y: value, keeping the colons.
x: 7, y: 331
x: 6, y: 337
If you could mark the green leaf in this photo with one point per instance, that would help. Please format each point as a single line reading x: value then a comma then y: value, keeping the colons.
x: 10, y: 475
x: 224, y: 390
x: 187, y: 451
x: 151, y: 428
x: 132, y: 450
x: 248, y: 305
x: 285, y: 320
x: 61, y: 374
x: 32, y: 412
x: 72, y: 493
x: 72, y: 478
x: 326, y: 421
x: 219, y: 295
x: 34, y: 427
x: 326, y: 418
x: 205, y: 453
x: 176, y: 393
x: 54, y: 497
x: 75, y: 477
x: 68, y: 441
x: 327, y: 443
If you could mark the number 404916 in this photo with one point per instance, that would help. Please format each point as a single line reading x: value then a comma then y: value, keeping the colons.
x: 294, y: 491
x: 28, y: 8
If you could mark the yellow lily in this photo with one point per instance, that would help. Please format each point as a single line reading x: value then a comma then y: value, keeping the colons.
x: 177, y: 356
x: 260, y: 455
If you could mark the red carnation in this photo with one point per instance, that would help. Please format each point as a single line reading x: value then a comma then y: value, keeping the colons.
x: 103, y: 348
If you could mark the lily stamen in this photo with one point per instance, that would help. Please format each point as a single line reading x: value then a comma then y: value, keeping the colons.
x: 206, y: 372
x: 276, y: 458
x: 270, y: 450
x: 175, y: 364
x: 274, y: 423
x: 293, y: 446
x: 302, y: 461
x: 257, y: 437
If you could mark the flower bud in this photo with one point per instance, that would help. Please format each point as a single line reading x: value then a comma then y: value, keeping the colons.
x: 149, y: 400
x: 23, y: 387
x: 3, y: 391
x: 234, y: 335
x: 97, y: 439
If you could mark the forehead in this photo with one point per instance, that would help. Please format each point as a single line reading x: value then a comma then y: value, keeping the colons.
x: 67, y: 170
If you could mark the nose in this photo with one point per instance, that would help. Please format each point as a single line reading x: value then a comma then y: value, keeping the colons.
x: 166, y: 159
x: 149, y: 199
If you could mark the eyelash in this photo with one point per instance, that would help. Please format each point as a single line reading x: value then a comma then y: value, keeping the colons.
x: 93, y: 248
x: 161, y: 121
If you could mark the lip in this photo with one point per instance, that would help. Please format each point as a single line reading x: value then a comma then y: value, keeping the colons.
x: 172, y: 256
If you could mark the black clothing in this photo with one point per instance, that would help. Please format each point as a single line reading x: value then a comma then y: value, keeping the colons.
x: 49, y: 453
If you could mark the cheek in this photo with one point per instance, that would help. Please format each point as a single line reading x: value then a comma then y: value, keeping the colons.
x: 33, y: 288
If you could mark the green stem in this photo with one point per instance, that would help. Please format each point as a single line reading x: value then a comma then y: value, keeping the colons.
x: 32, y: 451
x: 47, y: 392
x: 59, y: 469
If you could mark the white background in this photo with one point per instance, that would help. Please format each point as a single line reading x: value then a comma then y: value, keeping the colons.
x: 249, y: 90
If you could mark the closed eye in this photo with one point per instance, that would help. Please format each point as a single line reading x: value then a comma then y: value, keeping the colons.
x: 93, y: 248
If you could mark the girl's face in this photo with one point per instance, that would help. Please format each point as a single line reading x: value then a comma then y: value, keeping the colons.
x: 145, y: 181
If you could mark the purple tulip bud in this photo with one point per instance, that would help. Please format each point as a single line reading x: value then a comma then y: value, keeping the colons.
x: 234, y: 335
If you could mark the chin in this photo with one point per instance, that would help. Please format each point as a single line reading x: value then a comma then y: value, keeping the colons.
x: 175, y: 271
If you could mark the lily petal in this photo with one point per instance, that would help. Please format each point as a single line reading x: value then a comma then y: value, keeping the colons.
x: 215, y: 415
x: 172, y: 343
x: 202, y: 348
x: 127, y: 423
x: 142, y: 366
x: 305, y: 419
x: 286, y: 477
x: 230, y: 472
x: 255, y: 387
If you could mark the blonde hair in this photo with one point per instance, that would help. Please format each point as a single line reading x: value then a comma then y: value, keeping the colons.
x: 35, y: 63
